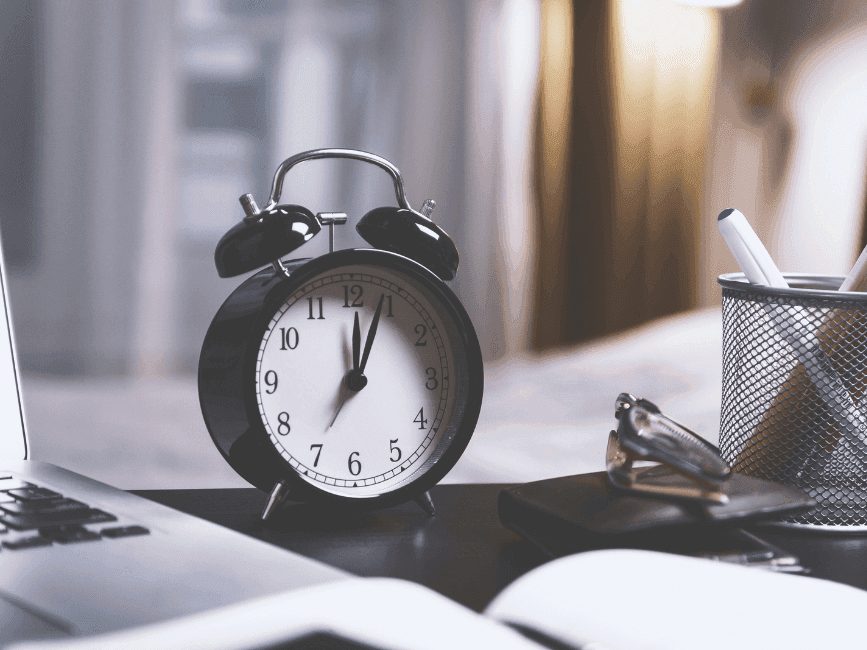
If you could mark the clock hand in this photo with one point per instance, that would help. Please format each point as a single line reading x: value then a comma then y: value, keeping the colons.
x: 356, y: 342
x: 370, y: 334
x: 346, y: 393
x: 353, y: 381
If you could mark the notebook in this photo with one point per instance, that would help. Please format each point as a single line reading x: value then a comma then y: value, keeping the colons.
x: 78, y: 557
x: 613, y: 599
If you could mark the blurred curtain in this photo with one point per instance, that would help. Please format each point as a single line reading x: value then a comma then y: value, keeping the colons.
x: 497, y: 225
x: 622, y: 130
x: 446, y: 91
x: 104, y: 194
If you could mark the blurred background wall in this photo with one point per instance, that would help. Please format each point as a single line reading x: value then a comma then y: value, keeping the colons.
x: 578, y: 151
x: 139, y: 124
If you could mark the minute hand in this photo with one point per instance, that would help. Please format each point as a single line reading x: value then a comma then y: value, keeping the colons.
x: 371, y: 333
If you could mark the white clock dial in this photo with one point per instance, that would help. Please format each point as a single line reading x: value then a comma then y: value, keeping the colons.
x: 339, y: 436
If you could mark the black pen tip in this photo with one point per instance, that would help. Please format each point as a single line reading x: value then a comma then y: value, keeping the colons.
x: 725, y: 213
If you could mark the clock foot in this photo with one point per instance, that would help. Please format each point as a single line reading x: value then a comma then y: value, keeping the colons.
x: 278, y: 496
x: 426, y: 503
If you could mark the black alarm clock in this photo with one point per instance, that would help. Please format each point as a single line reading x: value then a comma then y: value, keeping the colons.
x: 351, y: 380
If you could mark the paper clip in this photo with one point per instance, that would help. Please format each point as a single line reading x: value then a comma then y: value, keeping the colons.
x: 691, y: 468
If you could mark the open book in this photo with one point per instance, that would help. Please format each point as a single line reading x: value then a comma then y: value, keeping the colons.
x: 611, y: 600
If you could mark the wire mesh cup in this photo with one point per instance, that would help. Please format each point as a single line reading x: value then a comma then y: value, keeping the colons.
x: 794, y: 398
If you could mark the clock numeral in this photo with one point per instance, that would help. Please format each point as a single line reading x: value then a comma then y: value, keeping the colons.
x: 394, y: 449
x: 420, y: 419
x: 431, y: 382
x: 390, y: 313
x: 288, y: 338
x: 283, y: 427
x: 310, y: 304
x: 354, y: 465
x: 421, y: 330
x: 356, y: 291
x: 318, y: 454
x: 271, y: 380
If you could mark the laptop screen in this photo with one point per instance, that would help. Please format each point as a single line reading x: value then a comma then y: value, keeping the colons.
x: 13, y: 438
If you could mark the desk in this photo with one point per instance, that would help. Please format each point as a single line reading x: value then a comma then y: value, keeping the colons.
x: 463, y: 552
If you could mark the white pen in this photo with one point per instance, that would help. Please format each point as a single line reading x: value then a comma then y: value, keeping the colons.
x: 857, y: 278
x: 748, y: 250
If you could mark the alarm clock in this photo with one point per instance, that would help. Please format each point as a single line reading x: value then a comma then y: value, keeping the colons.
x: 352, y: 380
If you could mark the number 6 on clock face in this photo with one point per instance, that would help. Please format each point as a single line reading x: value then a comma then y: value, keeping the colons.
x: 363, y: 376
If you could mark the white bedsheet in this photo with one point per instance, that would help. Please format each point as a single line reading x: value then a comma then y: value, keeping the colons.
x: 550, y: 415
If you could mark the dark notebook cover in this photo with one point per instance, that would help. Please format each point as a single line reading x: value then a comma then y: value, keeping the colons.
x: 574, y: 513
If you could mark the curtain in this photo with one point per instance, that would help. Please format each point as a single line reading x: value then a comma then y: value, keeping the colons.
x: 626, y: 93
x: 102, y: 278
x: 453, y: 109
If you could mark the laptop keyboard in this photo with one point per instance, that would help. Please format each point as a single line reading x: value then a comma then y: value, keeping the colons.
x: 32, y: 516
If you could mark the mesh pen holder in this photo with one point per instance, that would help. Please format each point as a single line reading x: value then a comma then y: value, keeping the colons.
x: 794, y: 399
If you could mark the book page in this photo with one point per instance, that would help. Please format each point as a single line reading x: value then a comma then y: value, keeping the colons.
x: 644, y: 600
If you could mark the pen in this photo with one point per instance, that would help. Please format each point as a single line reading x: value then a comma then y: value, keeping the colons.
x: 759, y: 269
x: 857, y: 278
x: 855, y: 281
x: 748, y: 250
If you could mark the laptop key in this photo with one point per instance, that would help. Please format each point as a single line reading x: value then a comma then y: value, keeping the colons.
x: 27, y: 542
x: 28, y: 520
x: 124, y: 531
x: 44, y: 506
x: 34, y: 494
x: 69, y: 534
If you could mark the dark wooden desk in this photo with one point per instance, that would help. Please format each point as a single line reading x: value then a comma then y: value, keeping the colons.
x: 463, y: 552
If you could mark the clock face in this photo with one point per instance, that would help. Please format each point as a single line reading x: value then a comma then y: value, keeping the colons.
x: 359, y: 379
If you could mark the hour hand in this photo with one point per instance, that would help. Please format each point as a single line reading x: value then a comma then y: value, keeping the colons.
x: 354, y: 380
x: 356, y: 342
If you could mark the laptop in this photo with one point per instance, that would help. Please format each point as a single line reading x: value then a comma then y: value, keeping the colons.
x: 78, y: 557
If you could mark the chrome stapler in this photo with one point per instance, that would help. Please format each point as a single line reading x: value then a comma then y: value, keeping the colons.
x: 691, y: 468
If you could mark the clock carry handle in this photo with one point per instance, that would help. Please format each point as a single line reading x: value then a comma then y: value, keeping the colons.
x: 264, y: 236
x: 316, y: 154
